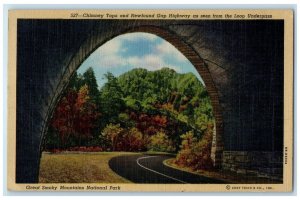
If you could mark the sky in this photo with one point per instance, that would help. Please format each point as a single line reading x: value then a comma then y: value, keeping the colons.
x: 135, y: 50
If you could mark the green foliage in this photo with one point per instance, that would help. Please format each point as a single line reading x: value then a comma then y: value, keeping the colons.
x: 112, y: 133
x: 140, y: 110
x: 125, y: 120
x: 132, y: 103
x: 89, y: 79
x: 160, y: 142
x: 111, y: 99
x: 76, y: 81
x: 150, y: 89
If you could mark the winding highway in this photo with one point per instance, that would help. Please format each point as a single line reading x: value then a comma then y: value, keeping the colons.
x: 150, y: 169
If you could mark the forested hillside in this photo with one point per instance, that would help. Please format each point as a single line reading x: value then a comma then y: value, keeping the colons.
x: 140, y: 110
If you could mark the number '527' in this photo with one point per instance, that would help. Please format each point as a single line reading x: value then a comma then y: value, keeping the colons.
x: 74, y: 14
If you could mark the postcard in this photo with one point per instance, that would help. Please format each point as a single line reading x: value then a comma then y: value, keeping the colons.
x: 150, y: 100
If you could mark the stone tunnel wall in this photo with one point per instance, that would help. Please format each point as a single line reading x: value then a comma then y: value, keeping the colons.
x: 244, y: 60
x: 254, y: 163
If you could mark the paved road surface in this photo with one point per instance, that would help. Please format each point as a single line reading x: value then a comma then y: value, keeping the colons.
x: 150, y: 169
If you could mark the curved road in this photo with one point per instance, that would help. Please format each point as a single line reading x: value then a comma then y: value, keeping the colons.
x: 150, y: 169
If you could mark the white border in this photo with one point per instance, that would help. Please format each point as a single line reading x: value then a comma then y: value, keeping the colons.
x: 154, y: 4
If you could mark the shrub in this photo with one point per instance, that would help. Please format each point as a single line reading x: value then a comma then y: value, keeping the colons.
x: 133, y: 140
x: 121, y: 139
x: 112, y: 133
x: 195, y: 153
x: 161, y: 142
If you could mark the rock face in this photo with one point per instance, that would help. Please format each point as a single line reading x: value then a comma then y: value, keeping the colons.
x: 241, y: 63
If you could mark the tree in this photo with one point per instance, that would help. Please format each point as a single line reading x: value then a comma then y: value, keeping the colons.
x: 139, y: 108
x: 121, y: 139
x: 87, y: 114
x: 111, y: 99
x: 133, y: 140
x: 75, y: 115
x: 64, y: 116
x: 195, y: 153
x: 76, y: 82
x: 90, y: 80
x: 112, y: 133
x: 125, y: 120
x: 73, y: 83
x: 160, y: 142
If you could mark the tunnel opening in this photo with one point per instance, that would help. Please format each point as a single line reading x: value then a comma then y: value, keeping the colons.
x: 249, y: 82
x: 137, y: 93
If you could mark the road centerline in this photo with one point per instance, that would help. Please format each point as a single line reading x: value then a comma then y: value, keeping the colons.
x: 145, y: 157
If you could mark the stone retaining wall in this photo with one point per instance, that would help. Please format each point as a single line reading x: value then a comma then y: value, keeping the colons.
x: 254, y: 163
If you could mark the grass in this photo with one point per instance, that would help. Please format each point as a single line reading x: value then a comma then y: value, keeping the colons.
x: 76, y: 167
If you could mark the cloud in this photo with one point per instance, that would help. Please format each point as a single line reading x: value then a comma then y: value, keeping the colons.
x: 109, y: 48
x: 138, y: 36
x: 151, y: 62
x: 111, y: 54
x: 106, y: 55
x: 127, y: 51
x: 167, y: 49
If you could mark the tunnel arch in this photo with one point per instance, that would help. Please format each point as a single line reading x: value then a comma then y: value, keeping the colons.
x: 94, y: 42
x: 246, y: 67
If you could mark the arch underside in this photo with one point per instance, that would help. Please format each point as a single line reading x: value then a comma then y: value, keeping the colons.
x: 92, y: 43
x: 213, y: 47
